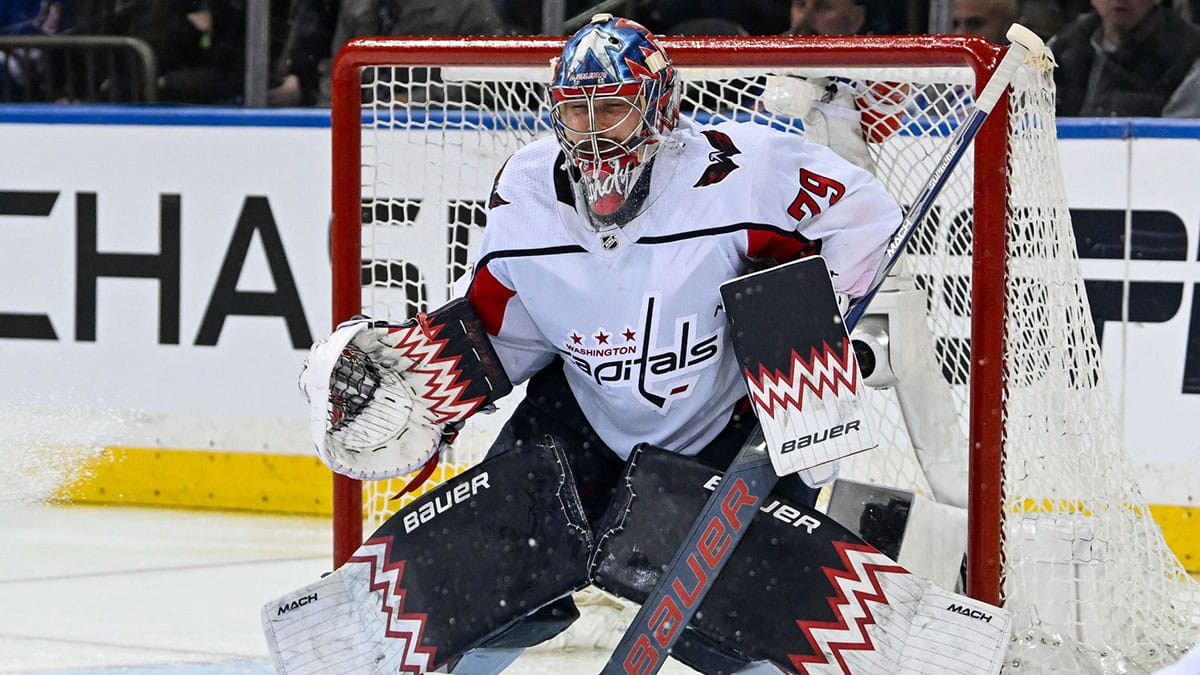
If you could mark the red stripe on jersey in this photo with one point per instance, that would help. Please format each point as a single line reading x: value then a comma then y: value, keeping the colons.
x: 779, y: 247
x: 489, y: 298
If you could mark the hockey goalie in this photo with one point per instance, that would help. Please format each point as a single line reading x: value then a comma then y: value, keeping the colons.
x: 597, y: 285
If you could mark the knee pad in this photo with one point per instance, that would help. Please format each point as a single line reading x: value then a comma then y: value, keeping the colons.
x: 492, y: 546
x: 549, y: 409
x: 775, y: 580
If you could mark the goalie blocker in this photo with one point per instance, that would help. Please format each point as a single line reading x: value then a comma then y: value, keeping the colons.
x: 381, y: 395
x: 800, y: 367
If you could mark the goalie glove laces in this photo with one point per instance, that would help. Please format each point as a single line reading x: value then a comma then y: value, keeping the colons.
x: 420, y: 478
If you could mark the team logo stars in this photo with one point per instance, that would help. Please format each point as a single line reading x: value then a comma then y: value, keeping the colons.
x: 603, y: 337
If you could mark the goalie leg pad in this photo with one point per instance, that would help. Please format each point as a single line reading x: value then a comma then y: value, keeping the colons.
x: 800, y: 590
x: 457, y: 568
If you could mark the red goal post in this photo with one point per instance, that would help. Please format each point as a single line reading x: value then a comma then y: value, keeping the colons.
x: 421, y: 125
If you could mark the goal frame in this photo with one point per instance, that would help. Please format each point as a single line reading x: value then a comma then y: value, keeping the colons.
x: 987, y: 375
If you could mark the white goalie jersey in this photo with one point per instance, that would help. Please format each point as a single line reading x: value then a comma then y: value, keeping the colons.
x: 635, y: 313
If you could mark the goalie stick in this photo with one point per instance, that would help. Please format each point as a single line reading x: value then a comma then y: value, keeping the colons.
x: 674, y: 600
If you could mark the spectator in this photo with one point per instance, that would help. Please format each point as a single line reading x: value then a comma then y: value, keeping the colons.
x: 90, y: 17
x: 832, y: 17
x: 888, y: 17
x: 1044, y: 17
x: 1188, y: 9
x: 28, y: 70
x: 710, y: 26
x: 416, y: 17
x: 199, y: 46
x: 306, y: 53
x: 763, y: 17
x: 31, y: 17
x: 318, y: 28
x: 524, y: 17
x: 986, y: 18
x: 1127, y: 58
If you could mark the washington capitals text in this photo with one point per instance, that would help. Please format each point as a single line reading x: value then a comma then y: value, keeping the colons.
x: 642, y: 363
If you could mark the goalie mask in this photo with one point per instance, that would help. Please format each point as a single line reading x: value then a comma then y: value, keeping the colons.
x: 613, y: 99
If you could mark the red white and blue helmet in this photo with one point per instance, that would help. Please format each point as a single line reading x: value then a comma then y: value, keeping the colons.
x: 607, y: 59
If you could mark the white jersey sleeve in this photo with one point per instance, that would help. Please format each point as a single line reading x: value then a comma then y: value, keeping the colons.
x: 514, y: 335
x: 523, y: 228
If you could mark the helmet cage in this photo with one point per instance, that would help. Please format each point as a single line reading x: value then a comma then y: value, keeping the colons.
x: 593, y: 140
x: 606, y: 140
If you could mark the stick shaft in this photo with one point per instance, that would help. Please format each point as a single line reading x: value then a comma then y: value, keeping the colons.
x: 677, y: 595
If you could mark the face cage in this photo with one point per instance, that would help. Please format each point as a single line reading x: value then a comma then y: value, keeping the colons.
x: 608, y: 169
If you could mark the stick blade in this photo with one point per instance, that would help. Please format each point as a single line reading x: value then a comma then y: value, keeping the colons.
x: 800, y: 370
x: 1018, y: 34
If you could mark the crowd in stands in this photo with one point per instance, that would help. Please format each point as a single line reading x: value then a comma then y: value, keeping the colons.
x: 1115, y: 57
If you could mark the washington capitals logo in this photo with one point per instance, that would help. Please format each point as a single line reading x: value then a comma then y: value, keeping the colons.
x: 721, y: 162
x: 495, y: 199
x: 658, y: 371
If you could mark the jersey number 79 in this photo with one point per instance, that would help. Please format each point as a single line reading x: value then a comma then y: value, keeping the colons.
x: 814, y: 186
